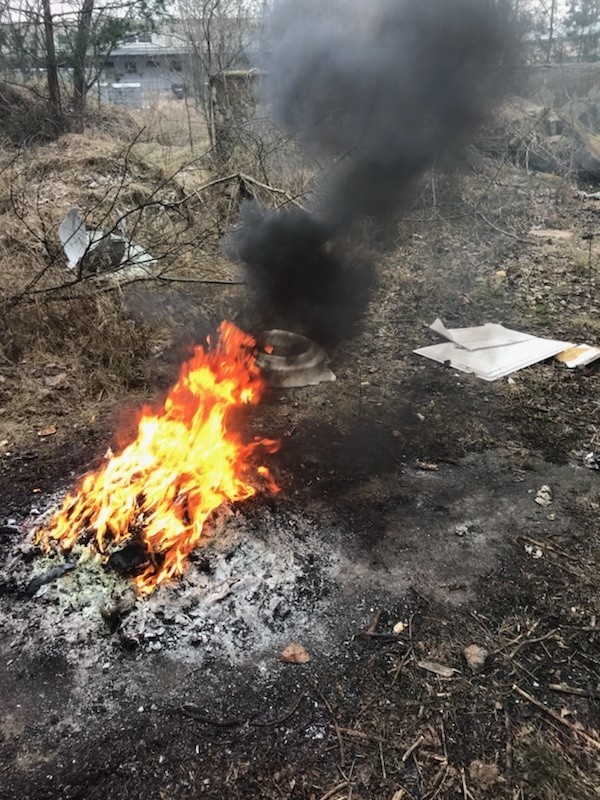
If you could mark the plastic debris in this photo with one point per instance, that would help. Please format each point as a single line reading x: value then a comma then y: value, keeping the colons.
x: 99, y: 251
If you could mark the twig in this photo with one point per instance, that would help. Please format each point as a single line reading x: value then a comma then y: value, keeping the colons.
x: 360, y: 734
x: 563, y: 689
x: 405, y: 659
x: 509, y: 759
x: 279, y: 720
x: 501, y: 230
x: 338, y: 732
x: 444, y: 769
x: 382, y: 637
x: 274, y: 189
x: 556, y: 717
x: 381, y: 758
x: 548, y: 635
x: 412, y: 748
x: 466, y: 793
x: 333, y: 791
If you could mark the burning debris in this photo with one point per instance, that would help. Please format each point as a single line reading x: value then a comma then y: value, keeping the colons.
x: 253, y: 586
x: 384, y: 91
x: 146, y: 509
x: 290, y: 360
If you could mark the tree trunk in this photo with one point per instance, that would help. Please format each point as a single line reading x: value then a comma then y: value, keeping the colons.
x: 80, y: 86
x: 51, y: 65
x: 551, y: 32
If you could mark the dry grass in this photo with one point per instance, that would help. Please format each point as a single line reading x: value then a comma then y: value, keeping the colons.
x: 54, y: 325
x: 549, y: 772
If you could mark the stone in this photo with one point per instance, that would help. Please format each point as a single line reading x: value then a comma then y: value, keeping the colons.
x: 476, y: 657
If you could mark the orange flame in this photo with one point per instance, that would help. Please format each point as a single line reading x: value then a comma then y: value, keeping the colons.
x: 183, y: 464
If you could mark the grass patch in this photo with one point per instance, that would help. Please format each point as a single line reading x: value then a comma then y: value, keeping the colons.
x: 550, y: 773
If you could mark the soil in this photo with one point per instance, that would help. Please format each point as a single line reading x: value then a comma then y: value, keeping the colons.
x: 421, y: 484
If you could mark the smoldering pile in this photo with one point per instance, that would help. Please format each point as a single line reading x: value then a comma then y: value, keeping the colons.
x: 258, y: 584
x: 384, y: 90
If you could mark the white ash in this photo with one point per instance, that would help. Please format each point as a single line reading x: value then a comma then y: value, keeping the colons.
x: 261, y: 580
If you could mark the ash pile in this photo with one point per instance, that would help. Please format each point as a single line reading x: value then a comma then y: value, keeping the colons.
x: 256, y: 585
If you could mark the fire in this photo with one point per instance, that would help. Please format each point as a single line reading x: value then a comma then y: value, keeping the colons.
x: 185, y: 462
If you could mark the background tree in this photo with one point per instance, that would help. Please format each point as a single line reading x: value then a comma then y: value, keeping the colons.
x: 218, y: 34
x: 71, y: 42
x: 583, y: 22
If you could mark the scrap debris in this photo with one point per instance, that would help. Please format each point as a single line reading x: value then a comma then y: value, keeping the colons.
x: 544, y: 496
x: 102, y: 251
x: 489, y: 351
x: 289, y: 360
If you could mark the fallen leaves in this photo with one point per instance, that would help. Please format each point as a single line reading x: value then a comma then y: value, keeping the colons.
x: 49, y: 430
x: 295, y: 653
x: 485, y: 775
x: 438, y: 669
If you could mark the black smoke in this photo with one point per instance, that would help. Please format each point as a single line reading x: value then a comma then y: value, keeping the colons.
x: 384, y: 88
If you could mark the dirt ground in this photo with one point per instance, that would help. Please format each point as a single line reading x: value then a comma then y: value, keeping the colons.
x: 460, y: 553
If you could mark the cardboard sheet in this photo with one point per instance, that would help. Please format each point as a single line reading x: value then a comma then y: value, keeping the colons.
x: 489, y: 335
x: 490, y: 351
x: 579, y: 356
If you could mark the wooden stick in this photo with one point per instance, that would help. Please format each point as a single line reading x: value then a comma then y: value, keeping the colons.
x: 564, y: 689
x: 383, y: 772
x: 412, y: 748
x: 333, y: 791
x: 371, y: 737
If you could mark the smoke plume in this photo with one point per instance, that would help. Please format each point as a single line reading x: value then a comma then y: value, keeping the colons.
x: 383, y: 91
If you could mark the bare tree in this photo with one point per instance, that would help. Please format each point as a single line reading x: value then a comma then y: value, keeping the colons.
x: 217, y: 33
x: 72, y: 41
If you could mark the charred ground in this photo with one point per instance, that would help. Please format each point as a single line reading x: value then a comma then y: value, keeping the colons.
x: 362, y: 719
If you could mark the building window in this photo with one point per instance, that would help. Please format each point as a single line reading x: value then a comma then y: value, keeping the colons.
x: 176, y: 65
x: 145, y: 38
x: 110, y: 64
x: 130, y: 66
x: 152, y: 63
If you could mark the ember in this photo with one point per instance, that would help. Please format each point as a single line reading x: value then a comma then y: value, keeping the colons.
x: 184, y: 463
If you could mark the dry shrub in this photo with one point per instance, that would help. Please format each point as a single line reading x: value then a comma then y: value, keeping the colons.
x: 26, y: 117
x: 88, y: 335
x: 109, y: 120
x: 171, y: 123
